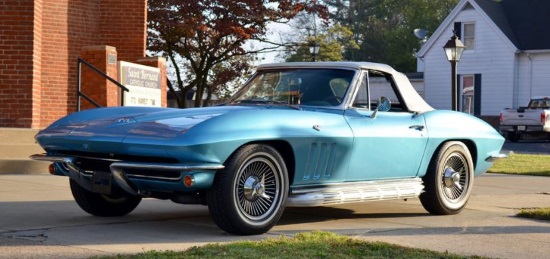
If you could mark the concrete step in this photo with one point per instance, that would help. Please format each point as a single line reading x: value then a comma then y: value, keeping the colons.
x: 14, y: 151
x: 16, y: 145
x: 23, y: 166
x: 17, y: 136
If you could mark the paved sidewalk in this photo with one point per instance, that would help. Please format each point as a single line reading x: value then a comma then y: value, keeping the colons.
x: 39, y: 219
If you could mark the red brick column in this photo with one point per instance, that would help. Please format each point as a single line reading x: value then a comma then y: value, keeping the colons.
x: 160, y: 63
x: 20, y: 64
x: 95, y: 86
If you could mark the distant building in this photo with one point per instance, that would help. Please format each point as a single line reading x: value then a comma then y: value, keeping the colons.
x: 507, y: 59
x: 40, y: 41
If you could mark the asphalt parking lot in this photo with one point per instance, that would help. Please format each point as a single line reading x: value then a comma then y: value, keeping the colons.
x: 39, y: 219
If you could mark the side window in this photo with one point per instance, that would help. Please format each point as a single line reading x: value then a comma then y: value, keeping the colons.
x: 374, y: 85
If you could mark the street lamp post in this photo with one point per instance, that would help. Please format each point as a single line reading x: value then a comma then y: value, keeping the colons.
x: 314, y: 50
x: 453, y: 49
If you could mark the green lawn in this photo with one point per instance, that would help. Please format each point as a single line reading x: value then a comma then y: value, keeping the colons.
x: 303, y: 245
x: 523, y: 164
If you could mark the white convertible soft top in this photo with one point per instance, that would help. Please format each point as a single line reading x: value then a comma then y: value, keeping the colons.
x: 411, y: 98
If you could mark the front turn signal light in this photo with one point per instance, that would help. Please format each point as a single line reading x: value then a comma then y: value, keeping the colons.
x: 188, y: 180
x: 51, y: 169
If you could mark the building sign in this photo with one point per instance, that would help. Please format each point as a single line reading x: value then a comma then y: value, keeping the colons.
x: 143, y: 83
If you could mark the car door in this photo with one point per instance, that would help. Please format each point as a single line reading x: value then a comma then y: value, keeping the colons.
x: 387, y: 144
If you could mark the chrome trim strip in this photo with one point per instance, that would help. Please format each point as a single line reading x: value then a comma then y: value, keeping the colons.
x: 68, y: 161
x: 167, y: 167
x: 134, y: 165
x: 493, y: 158
x: 45, y: 157
x: 350, y: 185
x: 355, y: 192
x: 120, y: 166
x: 151, y: 177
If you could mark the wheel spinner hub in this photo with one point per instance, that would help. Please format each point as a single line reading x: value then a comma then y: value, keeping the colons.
x: 451, y: 178
x: 254, y: 188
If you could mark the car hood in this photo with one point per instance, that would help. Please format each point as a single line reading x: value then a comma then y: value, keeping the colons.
x: 105, y: 129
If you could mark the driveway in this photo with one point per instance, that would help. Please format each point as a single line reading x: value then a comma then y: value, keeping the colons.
x: 39, y: 219
x: 528, y: 147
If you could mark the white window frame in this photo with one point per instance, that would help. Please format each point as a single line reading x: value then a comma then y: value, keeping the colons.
x: 473, y: 37
x: 470, y: 94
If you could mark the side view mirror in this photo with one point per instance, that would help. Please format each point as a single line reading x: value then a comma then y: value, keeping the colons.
x: 383, y: 104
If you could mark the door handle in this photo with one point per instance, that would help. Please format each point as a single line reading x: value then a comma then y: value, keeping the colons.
x: 417, y: 127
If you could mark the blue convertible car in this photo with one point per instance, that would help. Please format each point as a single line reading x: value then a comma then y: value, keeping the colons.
x: 296, y: 134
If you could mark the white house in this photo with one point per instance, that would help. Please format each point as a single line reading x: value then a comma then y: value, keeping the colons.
x: 507, y: 59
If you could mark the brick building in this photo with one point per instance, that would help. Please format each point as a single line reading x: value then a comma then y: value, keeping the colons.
x: 40, y: 41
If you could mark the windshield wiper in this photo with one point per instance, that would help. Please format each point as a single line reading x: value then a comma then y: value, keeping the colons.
x: 254, y: 101
x: 269, y: 102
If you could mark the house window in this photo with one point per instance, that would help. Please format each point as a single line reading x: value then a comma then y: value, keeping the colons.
x: 468, y: 83
x: 468, y: 35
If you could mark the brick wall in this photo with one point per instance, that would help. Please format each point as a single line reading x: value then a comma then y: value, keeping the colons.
x: 20, y: 50
x: 40, y: 41
x: 67, y: 26
x: 124, y: 26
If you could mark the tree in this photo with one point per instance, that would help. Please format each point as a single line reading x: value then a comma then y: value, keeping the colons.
x: 384, y: 28
x: 333, y: 43
x: 200, y: 35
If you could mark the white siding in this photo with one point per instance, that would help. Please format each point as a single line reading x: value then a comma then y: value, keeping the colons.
x: 492, y: 58
x: 534, y: 77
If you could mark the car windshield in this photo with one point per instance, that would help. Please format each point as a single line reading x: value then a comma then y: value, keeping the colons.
x: 316, y: 87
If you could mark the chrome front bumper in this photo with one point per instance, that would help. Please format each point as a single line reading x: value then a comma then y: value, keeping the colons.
x: 495, y: 157
x: 128, y: 177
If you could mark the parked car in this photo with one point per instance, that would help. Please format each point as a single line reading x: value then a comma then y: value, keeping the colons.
x: 296, y: 134
x: 533, y: 120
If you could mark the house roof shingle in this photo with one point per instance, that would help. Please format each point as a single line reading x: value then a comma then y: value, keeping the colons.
x: 524, y: 22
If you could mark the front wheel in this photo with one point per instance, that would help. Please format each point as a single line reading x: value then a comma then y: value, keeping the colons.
x: 248, y: 196
x: 449, y: 180
x: 119, y: 203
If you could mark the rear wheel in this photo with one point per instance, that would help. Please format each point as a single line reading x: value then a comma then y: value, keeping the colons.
x: 119, y: 203
x: 449, y: 180
x: 248, y: 196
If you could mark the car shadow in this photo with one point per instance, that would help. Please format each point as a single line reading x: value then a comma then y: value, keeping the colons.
x: 157, y: 225
x: 301, y: 215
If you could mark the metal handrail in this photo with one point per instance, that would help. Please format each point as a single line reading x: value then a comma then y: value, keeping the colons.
x: 79, y: 92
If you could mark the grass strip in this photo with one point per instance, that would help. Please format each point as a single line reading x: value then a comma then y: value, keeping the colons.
x: 523, y: 164
x: 315, y: 244
x: 535, y: 213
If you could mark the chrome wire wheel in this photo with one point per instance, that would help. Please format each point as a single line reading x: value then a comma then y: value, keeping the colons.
x: 449, y: 179
x: 257, y: 191
x: 455, y: 177
x: 249, y: 195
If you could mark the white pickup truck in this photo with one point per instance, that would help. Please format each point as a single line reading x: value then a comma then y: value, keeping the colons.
x: 531, y: 120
